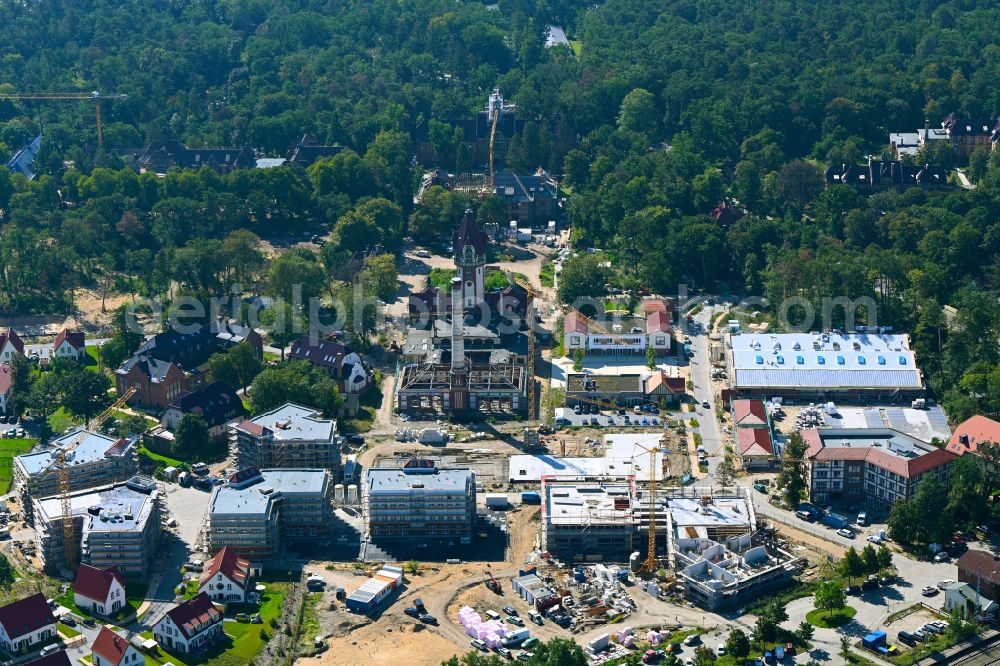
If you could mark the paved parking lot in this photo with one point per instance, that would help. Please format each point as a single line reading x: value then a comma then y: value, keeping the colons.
x: 608, y: 419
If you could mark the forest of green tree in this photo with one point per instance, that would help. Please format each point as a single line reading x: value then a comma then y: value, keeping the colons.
x: 667, y: 107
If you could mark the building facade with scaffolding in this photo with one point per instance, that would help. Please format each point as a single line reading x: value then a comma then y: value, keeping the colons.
x: 466, y: 348
x: 419, y: 502
x: 91, y: 460
x: 118, y: 525
x: 291, y: 436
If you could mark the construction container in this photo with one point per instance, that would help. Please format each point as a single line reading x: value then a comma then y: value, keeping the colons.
x: 496, y: 500
x: 531, y: 498
x: 873, y: 640
x: 599, y: 644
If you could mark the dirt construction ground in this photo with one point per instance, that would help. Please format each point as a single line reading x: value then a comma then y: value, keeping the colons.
x: 393, y: 638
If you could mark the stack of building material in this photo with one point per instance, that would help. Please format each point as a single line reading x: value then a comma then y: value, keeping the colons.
x: 491, y: 631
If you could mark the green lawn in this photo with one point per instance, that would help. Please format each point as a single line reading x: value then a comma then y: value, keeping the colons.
x: 61, y: 419
x: 830, y: 620
x: 68, y: 632
x: 8, y: 449
x: 245, y: 639
x: 577, y: 46
x: 162, y: 460
x: 135, y: 593
x: 441, y: 277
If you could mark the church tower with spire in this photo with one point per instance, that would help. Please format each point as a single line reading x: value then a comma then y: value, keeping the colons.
x: 469, y: 244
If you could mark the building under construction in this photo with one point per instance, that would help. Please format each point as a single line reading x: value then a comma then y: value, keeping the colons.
x: 117, y: 525
x: 290, y: 436
x: 91, y: 460
x: 594, y: 521
x: 466, y: 349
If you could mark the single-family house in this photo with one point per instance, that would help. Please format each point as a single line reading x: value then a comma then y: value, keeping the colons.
x: 101, y: 591
x: 342, y: 363
x: 112, y: 649
x: 26, y: 622
x: 217, y: 403
x: 70, y: 345
x: 10, y: 344
x: 190, y: 625
x: 755, y: 446
x: 226, y: 577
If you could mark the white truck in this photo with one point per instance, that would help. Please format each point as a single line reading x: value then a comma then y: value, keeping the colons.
x: 515, y: 638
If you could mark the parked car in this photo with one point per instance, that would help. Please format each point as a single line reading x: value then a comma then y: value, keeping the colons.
x: 929, y: 591
x: 256, y: 619
x: 941, y: 584
x: 720, y: 651
x: 505, y: 653
x: 428, y: 619
x: 479, y: 645
x: 693, y: 639
x: 509, y: 610
x: 943, y: 556
x: 515, y: 620
x: 846, y: 533
x: 242, y: 617
x: 705, y: 404
x: 412, y: 612
x: 876, y: 539
x: 525, y: 656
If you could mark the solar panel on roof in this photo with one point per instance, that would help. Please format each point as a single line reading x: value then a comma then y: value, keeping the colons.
x: 840, y: 360
x: 820, y: 360
x: 780, y: 359
x: 760, y: 359
x: 800, y: 360
x: 861, y: 360
x: 881, y: 360
x: 902, y: 360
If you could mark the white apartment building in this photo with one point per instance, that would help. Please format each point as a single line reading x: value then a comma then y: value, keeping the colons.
x: 420, y: 502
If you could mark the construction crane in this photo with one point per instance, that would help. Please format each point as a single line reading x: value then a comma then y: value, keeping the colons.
x: 496, y: 108
x: 651, y: 564
x: 529, y: 312
x: 61, y: 460
x: 94, y: 96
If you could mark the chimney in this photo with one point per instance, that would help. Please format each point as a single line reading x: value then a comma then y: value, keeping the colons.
x: 457, y: 326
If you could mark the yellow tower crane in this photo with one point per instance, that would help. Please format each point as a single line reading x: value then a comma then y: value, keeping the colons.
x: 651, y: 564
x: 94, y: 96
x: 62, y: 467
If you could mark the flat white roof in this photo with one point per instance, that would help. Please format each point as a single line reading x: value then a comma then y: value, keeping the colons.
x: 624, y: 455
x: 823, y: 361
x: 570, y: 504
x: 922, y: 424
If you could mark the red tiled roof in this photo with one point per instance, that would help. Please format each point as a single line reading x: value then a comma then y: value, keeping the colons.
x: 76, y: 339
x: 192, y: 615
x: 971, y: 433
x: 110, y: 646
x: 574, y: 323
x: 95, y: 583
x: 653, y: 305
x: 658, y: 322
x: 754, y: 442
x: 14, y: 338
x: 814, y: 443
x: 252, y: 428
x: 672, y: 384
x: 26, y: 615
x: 229, y: 564
x: 749, y: 412
x: 980, y: 564
x: 5, y: 378
x: 905, y: 467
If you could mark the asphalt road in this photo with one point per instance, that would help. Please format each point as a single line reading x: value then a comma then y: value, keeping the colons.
x: 711, y: 437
